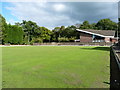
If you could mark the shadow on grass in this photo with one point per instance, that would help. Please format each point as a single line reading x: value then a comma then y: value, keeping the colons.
x: 98, y: 48
x: 106, y: 82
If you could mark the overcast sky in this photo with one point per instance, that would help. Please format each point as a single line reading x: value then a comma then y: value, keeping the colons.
x: 53, y: 14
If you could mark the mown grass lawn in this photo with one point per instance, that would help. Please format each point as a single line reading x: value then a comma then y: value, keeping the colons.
x: 55, y: 67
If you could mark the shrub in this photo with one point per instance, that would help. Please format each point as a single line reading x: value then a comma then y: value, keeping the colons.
x: 63, y: 39
x: 36, y: 40
x: 72, y: 39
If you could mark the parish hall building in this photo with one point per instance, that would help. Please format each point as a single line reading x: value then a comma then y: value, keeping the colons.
x: 97, y: 36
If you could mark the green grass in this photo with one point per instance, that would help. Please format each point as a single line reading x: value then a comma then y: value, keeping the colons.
x: 55, y: 67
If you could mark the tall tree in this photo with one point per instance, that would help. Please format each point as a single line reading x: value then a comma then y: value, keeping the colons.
x: 3, y: 26
x: 30, y: 28
x: 61, y: 31
x: 106, y: 24
x: 85, y: 25
x: 14, y: 34
x: 93, y: 26
x: 55, y: 34
x: 45, y: 34
x: 70, y: 31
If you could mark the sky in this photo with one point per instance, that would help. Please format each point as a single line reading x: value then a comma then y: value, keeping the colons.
x: 54, y: 14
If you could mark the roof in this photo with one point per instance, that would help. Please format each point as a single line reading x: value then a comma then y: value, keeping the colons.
x: 102, y: 33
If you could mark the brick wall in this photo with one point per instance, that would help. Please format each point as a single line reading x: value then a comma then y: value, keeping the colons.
x: 114, y: 40
x: 85, y: 37
x: 107, y: 39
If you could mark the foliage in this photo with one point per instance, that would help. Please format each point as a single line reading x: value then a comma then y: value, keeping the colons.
x: 14, y: 34
x: 37, y: 40
x: 60, y: 33
x: 103, y: 24
x: 72, y: 39
x: 45, y: 34
x: 29, y: 32
x: 30, y: 29
x: 85, y: 25
x: 3, y: 26
x: 34, y: 33
x: 106, y: 24
x: 55, y: 34
x: 70, y: 31
x: 63, y: 39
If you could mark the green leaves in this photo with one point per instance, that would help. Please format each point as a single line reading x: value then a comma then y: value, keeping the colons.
x: 64, y: 34
x: 85, y: 25
x: 103, y: 24
x: 29, y: 32
x: 3, y: 26
x: 106, y: 24
x: 45, y: 33
x: 14, y: 34
x: 34, y: 32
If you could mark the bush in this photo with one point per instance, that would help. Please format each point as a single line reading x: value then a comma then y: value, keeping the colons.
x: 72, y: 39
x: 36, y: 40
x: 63, y: 39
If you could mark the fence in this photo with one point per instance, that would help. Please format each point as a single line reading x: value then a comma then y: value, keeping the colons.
x: 114, y: 67
x: 76, y: 43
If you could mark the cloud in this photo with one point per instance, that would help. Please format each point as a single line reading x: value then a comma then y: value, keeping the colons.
x: 52, y: 14
x: 59, y: 7
x: 59, y: 0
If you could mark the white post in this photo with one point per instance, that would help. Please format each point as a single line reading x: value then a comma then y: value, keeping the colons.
x: 117, y: 33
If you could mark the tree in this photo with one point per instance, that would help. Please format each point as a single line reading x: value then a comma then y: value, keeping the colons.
x: 3, y: 26
x: 93, y: 26
x: 29, y: 32
x: 34, y: 33
x: 45, y: 34
x: 64, y: 34
x: 30, y: 29
x: 14, y: 34
x: 85, y: 25
x: 61, y: 31
x: 55, y: 34
x: 106, y: 24
x: 70, y: 31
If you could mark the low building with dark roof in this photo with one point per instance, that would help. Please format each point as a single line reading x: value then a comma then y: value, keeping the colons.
x: 97, y: 35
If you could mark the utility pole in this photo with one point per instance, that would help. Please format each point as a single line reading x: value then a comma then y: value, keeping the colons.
x: 117, y: 33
